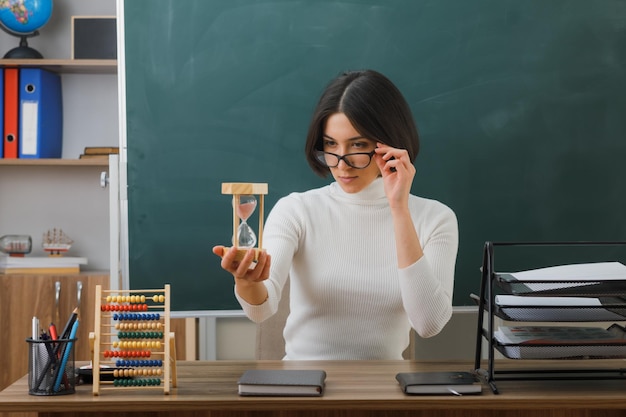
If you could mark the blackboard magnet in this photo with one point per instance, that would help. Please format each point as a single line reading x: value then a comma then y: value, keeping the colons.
x: 244, y: 204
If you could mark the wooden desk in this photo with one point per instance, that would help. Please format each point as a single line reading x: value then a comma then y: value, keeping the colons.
x: 353, y: 388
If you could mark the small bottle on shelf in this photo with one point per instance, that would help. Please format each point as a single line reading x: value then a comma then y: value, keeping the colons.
x: 16, y: 245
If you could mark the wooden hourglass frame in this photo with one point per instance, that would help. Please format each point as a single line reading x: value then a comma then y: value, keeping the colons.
x: 237, y: 189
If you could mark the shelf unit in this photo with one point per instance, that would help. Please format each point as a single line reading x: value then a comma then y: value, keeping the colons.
x: 81, y: 177
x: 66, y: 66
x: 49, y: 192
x: 55, y: 162
x: 612, y: 309
x: 61, y: 66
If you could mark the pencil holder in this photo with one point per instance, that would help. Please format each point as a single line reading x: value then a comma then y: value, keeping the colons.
x: 51, y: 367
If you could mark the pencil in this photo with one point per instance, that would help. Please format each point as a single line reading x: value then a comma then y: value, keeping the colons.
x: 57, y: 354
x: 60, y: 371
x: 68, y: 326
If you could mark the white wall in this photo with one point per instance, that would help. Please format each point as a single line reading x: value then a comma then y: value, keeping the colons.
x: 235, y: 339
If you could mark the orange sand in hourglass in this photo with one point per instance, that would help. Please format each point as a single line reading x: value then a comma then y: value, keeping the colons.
x: 244, y: 204
x: 245, y: 210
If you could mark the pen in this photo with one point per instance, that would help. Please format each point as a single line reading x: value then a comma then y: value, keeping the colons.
x: 51, y: 355
x: 34, y: 349
x: 455, y: 392
x: 53, y: 361
x: 45, y: 337
x: 66, y: 354
x: 54, y: 336
x: 35, y: 328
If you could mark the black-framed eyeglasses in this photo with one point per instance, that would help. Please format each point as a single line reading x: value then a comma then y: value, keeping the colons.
x: 358, y: 160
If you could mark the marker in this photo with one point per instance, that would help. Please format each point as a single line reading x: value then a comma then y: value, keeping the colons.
x: 53, y: 331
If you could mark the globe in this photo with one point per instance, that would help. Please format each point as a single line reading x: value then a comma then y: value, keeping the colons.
x: 23, y: 18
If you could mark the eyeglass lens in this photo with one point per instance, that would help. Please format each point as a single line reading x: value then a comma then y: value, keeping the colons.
x: 358, y: 160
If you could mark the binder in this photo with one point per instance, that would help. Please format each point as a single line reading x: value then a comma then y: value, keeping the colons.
x: 2, y: 110
x: 41, y: 114
x: 11, y: 133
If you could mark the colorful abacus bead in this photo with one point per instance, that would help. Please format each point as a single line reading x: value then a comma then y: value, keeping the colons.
x: 158, y: 298
x: 129, y: 382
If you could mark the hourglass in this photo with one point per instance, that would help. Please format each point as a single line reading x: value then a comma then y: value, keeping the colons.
x: 244, y: 208
x: 244, y: 205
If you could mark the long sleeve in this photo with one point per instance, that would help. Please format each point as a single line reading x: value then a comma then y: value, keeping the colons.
x: 427, y: 285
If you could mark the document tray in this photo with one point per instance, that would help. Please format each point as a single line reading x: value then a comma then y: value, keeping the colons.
x: 561, y: 342
x: 560, y: 309
x: 512, y: 285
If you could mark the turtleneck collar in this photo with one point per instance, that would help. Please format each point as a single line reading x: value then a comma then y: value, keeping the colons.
x: 372, y: 193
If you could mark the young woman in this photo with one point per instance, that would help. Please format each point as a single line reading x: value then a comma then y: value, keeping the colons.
x: 366, y: 259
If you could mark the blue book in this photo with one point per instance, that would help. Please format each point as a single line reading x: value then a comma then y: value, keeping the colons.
x: 41, y: 114
x: 1, y: 110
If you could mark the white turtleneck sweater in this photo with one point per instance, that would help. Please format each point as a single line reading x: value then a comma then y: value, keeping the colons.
x: 349, y: 299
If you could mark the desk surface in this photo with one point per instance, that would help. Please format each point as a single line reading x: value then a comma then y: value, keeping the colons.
x: 352, y: 388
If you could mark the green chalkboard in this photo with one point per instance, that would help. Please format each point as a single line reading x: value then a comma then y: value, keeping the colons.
x: 520, y: 105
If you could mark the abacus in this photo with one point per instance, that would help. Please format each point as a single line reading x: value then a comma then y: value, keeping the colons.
x: 132, y: 344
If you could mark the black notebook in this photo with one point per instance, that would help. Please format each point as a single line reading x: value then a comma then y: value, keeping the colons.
x: 451, y: 383
x: 282, y: 382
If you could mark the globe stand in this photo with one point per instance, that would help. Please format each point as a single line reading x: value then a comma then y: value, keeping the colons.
x: 23, y: 51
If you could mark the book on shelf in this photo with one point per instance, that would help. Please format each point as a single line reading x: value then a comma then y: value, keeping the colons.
x: 94, y: 156
x: 101, y: 150
x: 41, y: 264
x: 282, y: 382
x: 439, y: 383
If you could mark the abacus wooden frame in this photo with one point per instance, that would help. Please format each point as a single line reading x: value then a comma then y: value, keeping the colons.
x: 169, y: 349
